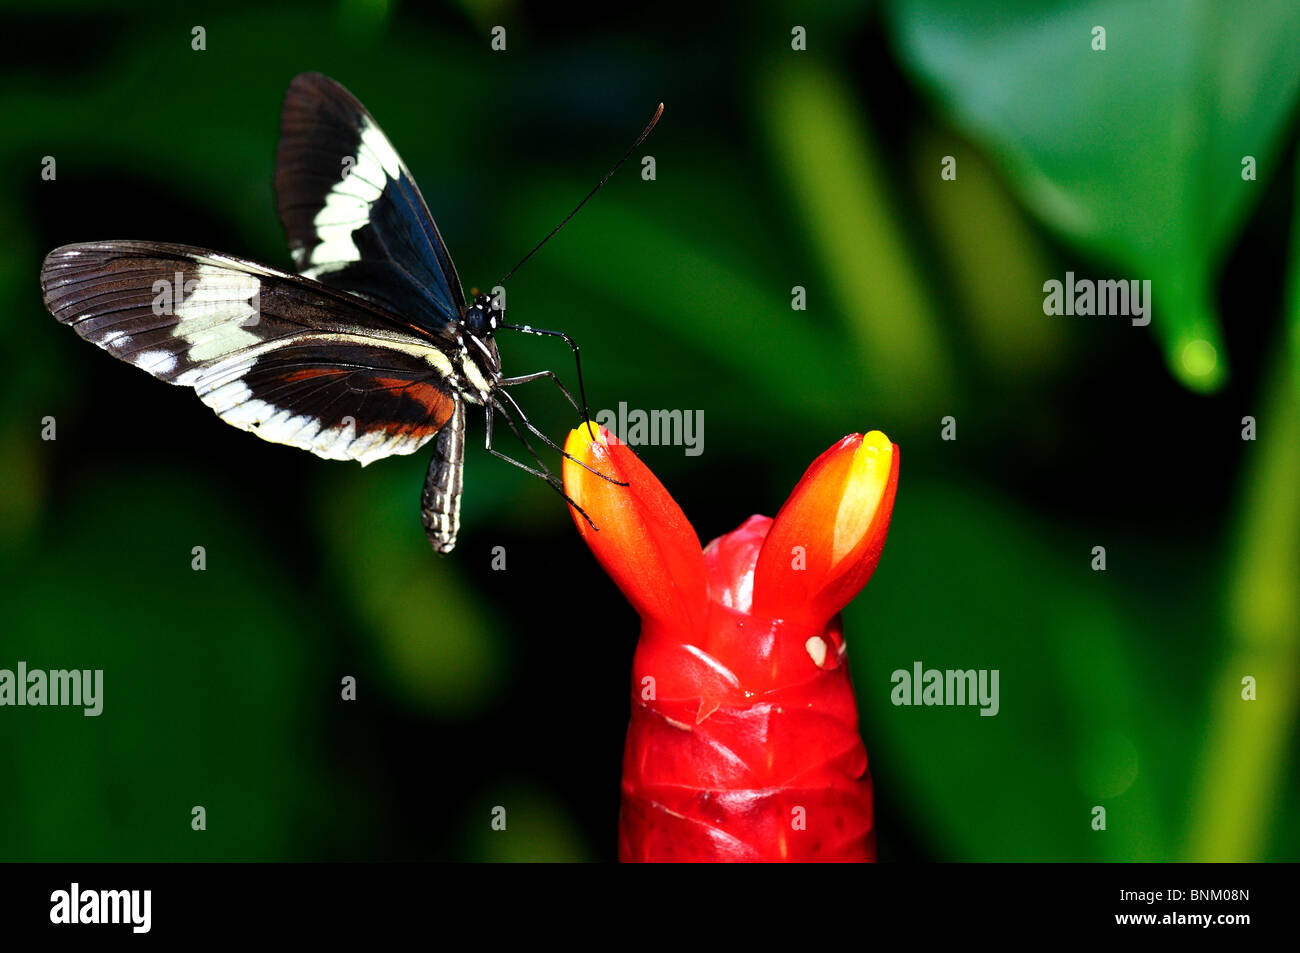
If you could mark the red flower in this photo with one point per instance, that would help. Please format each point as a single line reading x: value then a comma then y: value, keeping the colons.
x: 743, y: 743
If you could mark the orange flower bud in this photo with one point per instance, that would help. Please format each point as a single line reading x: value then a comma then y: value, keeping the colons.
x: 641, y: 538
x: 826, y: 540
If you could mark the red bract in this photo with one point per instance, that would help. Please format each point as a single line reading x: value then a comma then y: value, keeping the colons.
x: 743, y: 743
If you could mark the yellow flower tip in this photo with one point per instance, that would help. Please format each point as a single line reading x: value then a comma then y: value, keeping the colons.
x: 580, y: 439
x: 868, y: 477
x: 589, y: 449
x: 878, y: 441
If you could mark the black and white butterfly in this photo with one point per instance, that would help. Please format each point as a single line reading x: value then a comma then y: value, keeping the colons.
x: 370, y: 351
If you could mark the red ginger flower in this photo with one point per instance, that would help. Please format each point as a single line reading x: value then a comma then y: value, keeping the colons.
x: 743, y: 743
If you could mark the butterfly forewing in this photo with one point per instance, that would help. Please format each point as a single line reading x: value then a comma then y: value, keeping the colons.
x: 291, y: 360
x: 354, y: 216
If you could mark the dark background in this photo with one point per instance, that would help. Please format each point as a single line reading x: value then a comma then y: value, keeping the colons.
x: 775, y: 168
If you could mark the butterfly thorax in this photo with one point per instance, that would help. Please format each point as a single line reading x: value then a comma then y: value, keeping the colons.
x: 480, y: 362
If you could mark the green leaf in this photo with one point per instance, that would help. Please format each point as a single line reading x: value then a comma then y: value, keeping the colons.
x: 1134, y: 153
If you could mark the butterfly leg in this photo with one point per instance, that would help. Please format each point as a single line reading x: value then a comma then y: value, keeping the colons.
x: 548, y: 441
x: 577, y: 362
x: 528, y: 378
x: 542, y: 473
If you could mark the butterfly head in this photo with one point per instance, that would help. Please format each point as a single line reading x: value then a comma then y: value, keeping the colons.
x: 482, y: 318
x: 480, y: 361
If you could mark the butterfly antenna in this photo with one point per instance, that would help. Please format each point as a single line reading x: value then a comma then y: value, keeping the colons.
x: 632, y: 148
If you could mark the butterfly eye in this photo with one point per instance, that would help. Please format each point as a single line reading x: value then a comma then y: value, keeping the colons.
x: 476, y: 321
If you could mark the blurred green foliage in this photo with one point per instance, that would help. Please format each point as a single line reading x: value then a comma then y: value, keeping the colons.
x: 479, y: 688
x: 1129, y: 144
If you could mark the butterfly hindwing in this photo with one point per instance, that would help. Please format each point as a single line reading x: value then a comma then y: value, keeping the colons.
x: 354, y: 216
x: 288, y: 359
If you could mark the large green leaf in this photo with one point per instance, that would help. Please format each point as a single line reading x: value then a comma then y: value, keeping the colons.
x: 1133, y: 153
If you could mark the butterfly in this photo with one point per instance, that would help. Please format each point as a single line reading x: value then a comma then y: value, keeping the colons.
x: 371, y: 350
